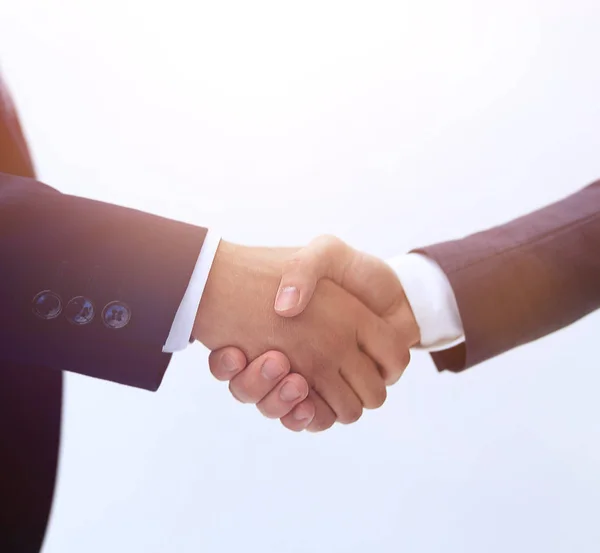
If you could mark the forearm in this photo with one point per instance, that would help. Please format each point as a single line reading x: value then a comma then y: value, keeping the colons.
x: 76, y: 247
x: 523, y: 280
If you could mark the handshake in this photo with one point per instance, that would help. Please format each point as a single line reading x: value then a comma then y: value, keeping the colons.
x: 336, y: 318
x: 343, y: 322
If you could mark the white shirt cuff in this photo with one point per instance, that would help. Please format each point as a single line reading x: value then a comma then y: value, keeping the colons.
x: 181, y: 329
x: 432, y: 300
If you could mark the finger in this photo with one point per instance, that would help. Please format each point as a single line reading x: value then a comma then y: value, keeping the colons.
x: 227, y: 362
x: 393, y: 378
x: 301, y: 415
x: 303, y: 270
x: 324, y: 417
x: 339, y: 395
x: 385, y: 345
x: 362, y: 375
x: 260, y: 377
x: 292, y: 390
x: 366, y: 277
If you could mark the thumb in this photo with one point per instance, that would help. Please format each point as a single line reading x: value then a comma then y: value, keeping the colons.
x: 366, y: 277
x: 325, y: 257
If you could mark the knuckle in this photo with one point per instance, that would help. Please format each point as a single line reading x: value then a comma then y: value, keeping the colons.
x: 233, y: 392
x: 399, y: 352
x: 334, y: 245
x: 397, y: 370
x: 319, y: 424
x: 377, y: 398
x: 350, y: 414
x: 327, y: 245
x: 324, y: 418
x: 325, y: 240
x: 404, y: 358
x: 293, y: 263
x: 291, y: 425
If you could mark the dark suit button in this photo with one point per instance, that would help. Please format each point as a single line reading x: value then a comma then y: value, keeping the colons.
x: 47, y: 305
x: 116, y: 314
x: 79, y: 311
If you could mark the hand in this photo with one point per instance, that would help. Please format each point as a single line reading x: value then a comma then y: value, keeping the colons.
x: 367, y: 277
x: 248, y: 383
x: 336, y: 344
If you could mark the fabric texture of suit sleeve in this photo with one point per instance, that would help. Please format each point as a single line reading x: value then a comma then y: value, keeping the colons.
x: 78, y: 247
x: 523, y: 280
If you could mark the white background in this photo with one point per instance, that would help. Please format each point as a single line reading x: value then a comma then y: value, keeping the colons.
x: 392, y: 125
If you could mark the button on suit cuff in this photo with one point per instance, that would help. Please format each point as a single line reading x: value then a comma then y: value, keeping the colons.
x: 181, y: 329
x: 432, y: 301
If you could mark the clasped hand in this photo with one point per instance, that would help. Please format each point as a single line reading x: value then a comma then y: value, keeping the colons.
x: 338, y: 319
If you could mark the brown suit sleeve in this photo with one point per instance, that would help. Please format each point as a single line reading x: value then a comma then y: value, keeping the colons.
x: 520, y: 281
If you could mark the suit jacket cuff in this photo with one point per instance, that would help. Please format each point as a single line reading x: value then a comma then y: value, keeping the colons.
x: 80, y: 248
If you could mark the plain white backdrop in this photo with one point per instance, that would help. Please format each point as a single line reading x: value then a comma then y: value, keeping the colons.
x: 392, y: 125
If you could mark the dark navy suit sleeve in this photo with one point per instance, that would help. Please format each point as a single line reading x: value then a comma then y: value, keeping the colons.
x: 89, y: 287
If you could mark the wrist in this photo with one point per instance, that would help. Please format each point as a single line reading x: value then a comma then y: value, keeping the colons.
x: 218, y: 287
x: 240, y: 291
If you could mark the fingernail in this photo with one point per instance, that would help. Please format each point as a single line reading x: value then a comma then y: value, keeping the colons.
x: 287, y: 298
x: 302, y: 414
x: 289, y: 392
x: 271, y: 369
x: 228, y: 363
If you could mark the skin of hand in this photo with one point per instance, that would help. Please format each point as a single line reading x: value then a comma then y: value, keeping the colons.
x: 368, y: 278
x: 271, y: 390
x: 336, y: 343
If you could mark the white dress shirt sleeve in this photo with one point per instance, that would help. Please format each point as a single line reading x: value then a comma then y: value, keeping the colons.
x: 181, y: 329
x: 432, y: 300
